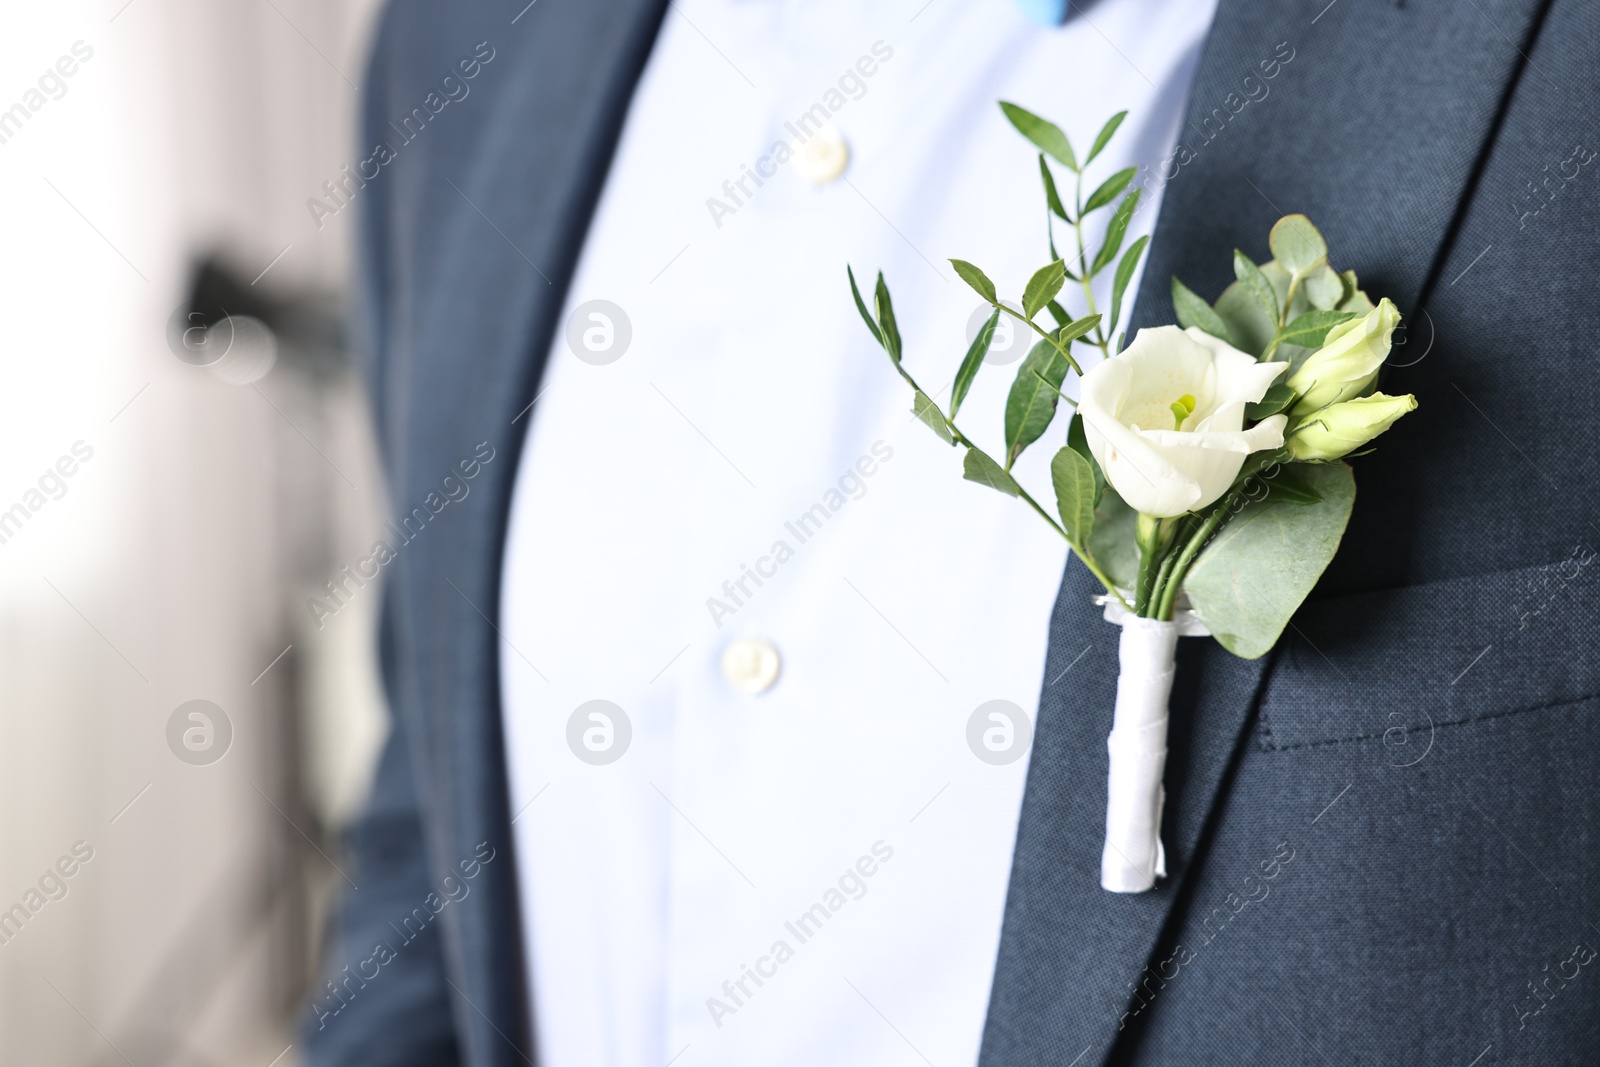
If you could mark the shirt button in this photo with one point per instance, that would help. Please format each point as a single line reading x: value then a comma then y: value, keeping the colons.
x: 750, y: 666
x: 824, y: 157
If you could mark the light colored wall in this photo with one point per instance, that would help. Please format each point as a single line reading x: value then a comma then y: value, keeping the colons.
x: 176, y: 564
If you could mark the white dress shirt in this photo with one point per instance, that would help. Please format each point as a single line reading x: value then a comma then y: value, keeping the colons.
x: 814, y: 873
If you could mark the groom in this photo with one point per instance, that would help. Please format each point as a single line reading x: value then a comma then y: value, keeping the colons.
x: 730, y: 726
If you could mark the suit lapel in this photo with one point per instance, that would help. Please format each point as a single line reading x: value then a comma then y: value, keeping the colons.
x: 1374, y: 124
x: 489, y: 215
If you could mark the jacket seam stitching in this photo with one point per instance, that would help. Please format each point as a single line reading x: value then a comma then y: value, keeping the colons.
x: 1418, y: 729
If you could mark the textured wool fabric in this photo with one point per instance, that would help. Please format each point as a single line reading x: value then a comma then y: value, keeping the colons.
x: 1380, y: 838
x: 456, y: 312
x: 1381, y: 835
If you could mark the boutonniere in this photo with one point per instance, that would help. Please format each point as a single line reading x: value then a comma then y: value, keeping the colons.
x: 1201, y: 480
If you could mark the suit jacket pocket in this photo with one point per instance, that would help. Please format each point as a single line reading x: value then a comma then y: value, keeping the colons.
x: 1400, y: 661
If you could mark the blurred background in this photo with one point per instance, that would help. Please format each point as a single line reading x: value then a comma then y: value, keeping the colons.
x: 184, y: 737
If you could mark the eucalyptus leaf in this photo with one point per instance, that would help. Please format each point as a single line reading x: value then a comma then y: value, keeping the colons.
x: 1297, y: 245
x: 978, y: 467
x: 1355, y: 301
x: 1248, y: 583
x: 1347, y: 286
x: 1193, y: 311
x: 1290, y: 486
x: 972, y: 362
x: 1103, y: 138
x: 1044, y: 134
x: 1324, y: 288
x: 1115, y: 230
x: 1248, y: 324
x: 1059, y: 313
x: 886, y: 323
x: 861, y: 306
x: 1273, y: 401
x: 1280, y: 280
x: 1262, y: 465
x: 1076, y: 490
x: 1109, y: 189
x: 1309, y: 330
x: 1300, y: 304
x: 1256, y: 284
x: 977, y: 279
x: 1112, y: 543
x: 1051, y: 197
x: 1031, y: 404
x: 924, y: 408
x: 1043, y: 287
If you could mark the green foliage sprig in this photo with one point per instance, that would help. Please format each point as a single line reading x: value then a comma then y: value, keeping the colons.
x: 1031, y: 404
x: 1245, y: 560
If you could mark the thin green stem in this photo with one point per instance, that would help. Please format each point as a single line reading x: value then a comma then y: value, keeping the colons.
x: 1084, y: 277
x: 1185, y: 559
x: 1288, y: 299
x: 1046, y: 334
x: 1077, y: 223
x: 1094, y: 569
x: 1153, y: 536
x: 1082, y: 554
x: 1148, y: 567
x: 1160, y: 583
x: 1182, y: 526
x: 1057, y: 391
x: 1023, y: 493
x: 1283, y: 318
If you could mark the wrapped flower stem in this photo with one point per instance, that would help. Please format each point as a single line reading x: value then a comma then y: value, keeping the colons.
x: 1133, y: 857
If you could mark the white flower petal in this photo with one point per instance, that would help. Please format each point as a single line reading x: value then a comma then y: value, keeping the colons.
x: 1148, y: 483
x: 1239, y: 374
x: 1126, y: 404
x: 1164, y: 365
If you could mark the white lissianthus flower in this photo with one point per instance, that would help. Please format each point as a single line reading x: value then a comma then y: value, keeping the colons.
x: 1165, y: 418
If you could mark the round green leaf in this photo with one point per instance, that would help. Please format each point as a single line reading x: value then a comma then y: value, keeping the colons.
x: 1297, y: 245
x: 1252, y: 578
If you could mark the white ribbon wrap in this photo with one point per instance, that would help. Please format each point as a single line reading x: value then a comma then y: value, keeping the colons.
x: 1133, y: 857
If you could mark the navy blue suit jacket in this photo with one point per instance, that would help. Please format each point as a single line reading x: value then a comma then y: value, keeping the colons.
x: 1382, y: 837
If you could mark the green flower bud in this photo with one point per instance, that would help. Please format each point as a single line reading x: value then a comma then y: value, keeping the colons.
x: 1340, y: 429
x: 1346, y: 365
